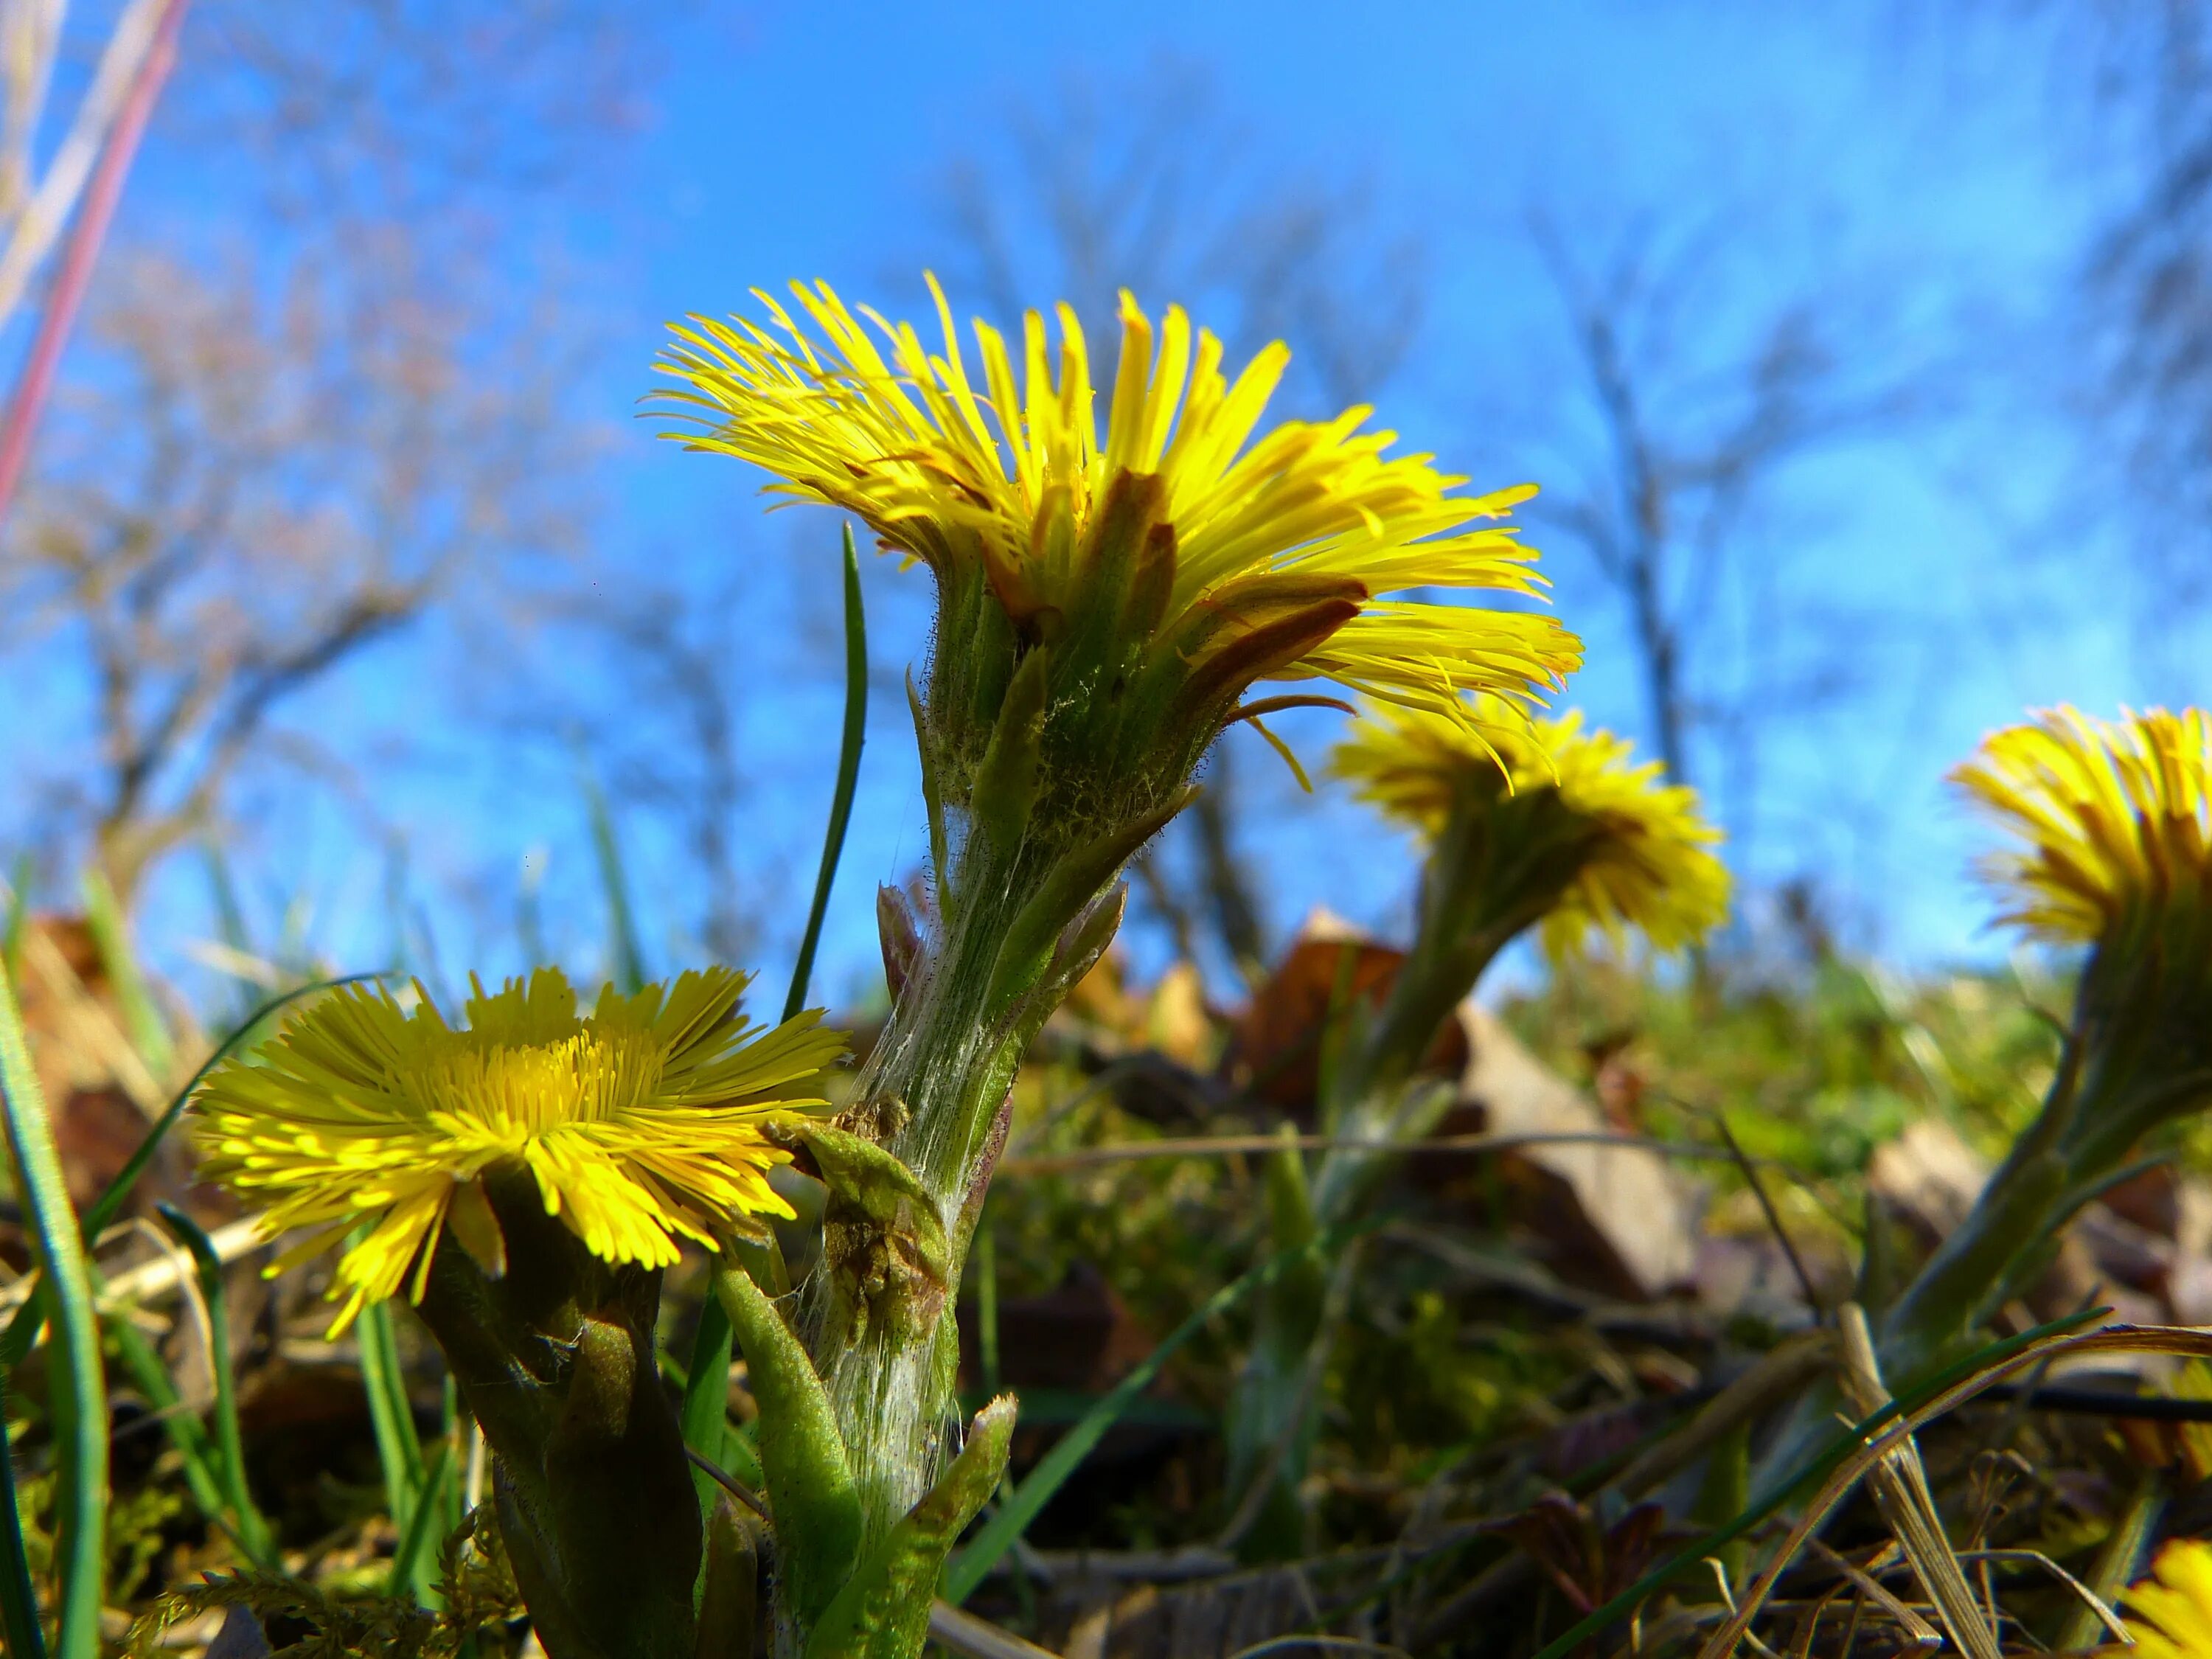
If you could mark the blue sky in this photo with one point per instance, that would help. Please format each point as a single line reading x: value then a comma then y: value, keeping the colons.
x: 1917, y: 176
x: 809, y: 142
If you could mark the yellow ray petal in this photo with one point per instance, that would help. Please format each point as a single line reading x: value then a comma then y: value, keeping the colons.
x: 1650, y: 866
x: 641, y: 1121
x: 856, y: 414
x: 2111, y: 814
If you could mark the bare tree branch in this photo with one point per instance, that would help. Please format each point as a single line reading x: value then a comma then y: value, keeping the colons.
x: 243, y: 500
x: 1692, y: 435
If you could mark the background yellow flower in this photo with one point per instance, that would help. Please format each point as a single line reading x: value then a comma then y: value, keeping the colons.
x: 2171, y: 1612
x: 640, y: 1123
x: 2114, y: 814
x: 1647, y: 863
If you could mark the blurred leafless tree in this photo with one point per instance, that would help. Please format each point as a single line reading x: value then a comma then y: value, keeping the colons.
x: 685, y: 657
x: 243, y: 494
x: 2128, y: 113
x: 1149, y: 183
x: 1685, y: 419
x: 321, y: 397
x: 444, y: 114
x: 2146, y: 275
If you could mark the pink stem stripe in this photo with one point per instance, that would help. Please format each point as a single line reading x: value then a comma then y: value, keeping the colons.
x: 86, y: 236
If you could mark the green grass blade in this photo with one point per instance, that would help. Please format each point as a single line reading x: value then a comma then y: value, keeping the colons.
x: 229, y: 915
x: 141, y: 1020
x: 704, y: 1411
x: 397, y: 943
x: 529, y: 912
x: 19, y: 915
x: 999, y: 1534
x: 20, y: 1630
x: 849, y: 777
x: 626, y: 959
x: 706, y: 1383
x: 222, y: 893
x: 398, y: 1446
x: 293, y: 954
x: 454, y: 1430
x: 741, y: 1461
x: 24, y: 1327
x: 80, y: 1389
x: 149, y: 1374
x: 202, y: 1475
x: 249, y: 1527
x: 423, y: 1531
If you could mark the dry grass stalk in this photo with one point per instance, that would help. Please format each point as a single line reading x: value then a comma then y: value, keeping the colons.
x: 90, y: 1027
x: 978, y: 1638
x: 2175, y: 1339
x: 1899, y: 1483
x: 162, y: 1276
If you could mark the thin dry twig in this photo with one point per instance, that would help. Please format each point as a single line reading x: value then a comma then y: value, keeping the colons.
x: 187, y: 1277
x: 722, y: 1478
x: 1750, y: 1172
x: 1727, y: 1599
x: 979, y: 1638
x: 2094, y: 1603
x: 162, y: 1276
x: 1341, y: 1644
x: 1777, y: 1375
x: 1923, y: 1633
x: 1175, y: 1566
x: 1046, y: 1163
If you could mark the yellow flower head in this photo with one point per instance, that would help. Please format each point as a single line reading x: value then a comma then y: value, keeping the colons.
x: 640, y: 1123
x: 1646, y: 860
x: 1181, y: 540
x: 2115, y: 816
x: 2170, y: 1612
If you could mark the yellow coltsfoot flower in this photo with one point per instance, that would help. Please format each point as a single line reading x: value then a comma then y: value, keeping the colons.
x: 2115, y: 822
x: 2112, y: 819
x: 2170, y: 1612
x: 1117, y: 567
x: 1550, y: 824
x: 2116, y: 816
x: 1155, y: 572
x: 639, y: 1124
x: 1604, y: 844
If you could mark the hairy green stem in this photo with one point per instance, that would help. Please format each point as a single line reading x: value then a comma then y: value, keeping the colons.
x: 556, y: 1360
x: 2137, y: 1055
x: 1498, y: 866
x: 934, y: 1095
x: 1270, y: 1427
x: 2134, y: 1058
x: 1950, y: 1294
